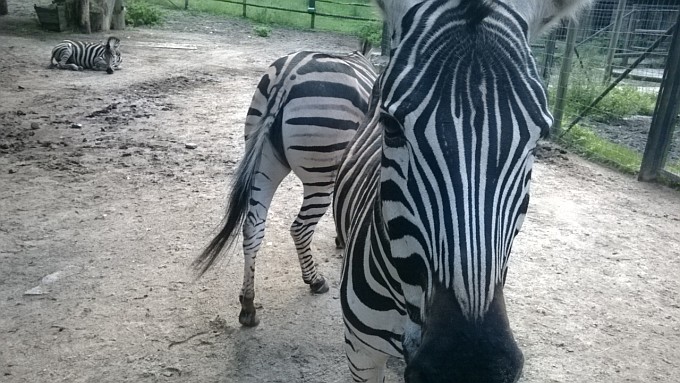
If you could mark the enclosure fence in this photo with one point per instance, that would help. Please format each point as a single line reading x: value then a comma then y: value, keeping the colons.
x: 613, y: 77
x: 604, y: 75
x: 360, y: 10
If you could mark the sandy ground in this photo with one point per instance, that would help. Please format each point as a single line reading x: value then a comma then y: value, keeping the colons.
x: 100, y: 223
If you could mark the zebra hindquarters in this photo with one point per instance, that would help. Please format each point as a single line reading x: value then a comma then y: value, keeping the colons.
x: 314, y: 146
x: 63, y: 55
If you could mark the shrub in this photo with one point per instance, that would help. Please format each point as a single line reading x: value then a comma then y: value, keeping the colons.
x: 262, y: 30
x: 623, y: 101
x: 371, y: 32
x: 139, y: 12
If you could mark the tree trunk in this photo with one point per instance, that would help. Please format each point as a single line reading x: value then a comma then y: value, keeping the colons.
x: 118, y: 18
x: 3, y: 7
x: 104, y: 11
x: 85, y: 16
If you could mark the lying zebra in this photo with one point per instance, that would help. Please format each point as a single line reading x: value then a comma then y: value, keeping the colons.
x: 305, y: 110
x: 78, y: 55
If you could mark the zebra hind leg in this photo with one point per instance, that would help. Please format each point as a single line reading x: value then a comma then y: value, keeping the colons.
x: 366, y: 365
x: 265, y: 183
x: 62, y: 62
x: 316, y: 202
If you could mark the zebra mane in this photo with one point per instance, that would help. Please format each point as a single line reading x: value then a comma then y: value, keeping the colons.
x: 477, y: 10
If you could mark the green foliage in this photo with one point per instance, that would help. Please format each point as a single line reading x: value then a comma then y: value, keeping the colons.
x: 140, y: 12
x: 262, y: 30
x: 623, y: 101
x: 371, y: 32
x: 588, y: 144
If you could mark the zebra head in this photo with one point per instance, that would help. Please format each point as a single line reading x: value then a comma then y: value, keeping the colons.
x: 461, y: 107
x: 112, y: 54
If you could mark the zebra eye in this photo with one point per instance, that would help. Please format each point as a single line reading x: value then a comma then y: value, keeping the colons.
x: 391, y: 126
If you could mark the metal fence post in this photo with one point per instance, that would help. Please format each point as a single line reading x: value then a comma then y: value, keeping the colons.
x: 563, y: 82
x: 244, y: 7
x: 665, y: 114
x: 311, y: 8
x: 186, y: 4
x: 614, y: 41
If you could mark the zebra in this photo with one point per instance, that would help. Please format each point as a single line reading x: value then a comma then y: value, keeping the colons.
x: 305, y: 110
x: 78, y: 55
x: 435, y: 185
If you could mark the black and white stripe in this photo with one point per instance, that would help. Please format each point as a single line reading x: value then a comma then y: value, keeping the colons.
x: 79, y: 55
x: 305, y: 111
x: 434, y: 188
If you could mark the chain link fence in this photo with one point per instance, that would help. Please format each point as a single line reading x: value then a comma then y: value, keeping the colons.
x: 604, y: 74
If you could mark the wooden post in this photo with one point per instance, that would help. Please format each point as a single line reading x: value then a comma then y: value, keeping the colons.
x: 614, y: 41
x: 563, y: 82
x: 85, y: 16
x: 118, y: 17
x: 3, y: 7
x: 244, y: 8
x: 665, y: 114
x: 549, y: 57
x: 186, y: 4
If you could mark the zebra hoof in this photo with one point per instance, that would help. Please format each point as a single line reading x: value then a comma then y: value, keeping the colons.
x: 109, y: 71
x: 319, y: 287
x: 248, y: 319
x: 339, y: 244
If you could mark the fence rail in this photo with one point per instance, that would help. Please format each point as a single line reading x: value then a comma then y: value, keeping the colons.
x: 311, y: 9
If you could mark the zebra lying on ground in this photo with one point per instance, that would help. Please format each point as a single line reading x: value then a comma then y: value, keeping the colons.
x: 78, y: 55
x: 305, y: 110
x: 435, y: 185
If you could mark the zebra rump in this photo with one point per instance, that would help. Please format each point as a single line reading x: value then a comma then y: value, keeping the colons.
x: 79, y: 55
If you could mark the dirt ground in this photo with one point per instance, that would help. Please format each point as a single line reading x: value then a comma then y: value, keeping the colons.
x: 99, y: 223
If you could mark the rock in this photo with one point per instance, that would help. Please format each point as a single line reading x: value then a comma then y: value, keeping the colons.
x: 37, y: 290
x: 12, y: 171
x: 76, y: 126
x: 190, y: 145
x: 35, y: 126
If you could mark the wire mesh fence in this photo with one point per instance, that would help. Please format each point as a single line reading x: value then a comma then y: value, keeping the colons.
x: 613, y: 60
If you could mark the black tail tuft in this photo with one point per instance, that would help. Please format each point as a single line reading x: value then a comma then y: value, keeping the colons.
x: 477, y: 10
x: 237, y: 209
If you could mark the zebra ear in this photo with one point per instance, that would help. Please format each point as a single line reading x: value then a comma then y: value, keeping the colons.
x: 393, y: 12
x: 113, y: 43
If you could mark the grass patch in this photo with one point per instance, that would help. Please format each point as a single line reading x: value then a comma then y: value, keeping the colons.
x: 295, y: 20
x: 140, y: 12
x: 623, y: 101
x: 588, y: 144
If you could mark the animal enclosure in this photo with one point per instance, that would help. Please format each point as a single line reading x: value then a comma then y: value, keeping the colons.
x: 100, y: 222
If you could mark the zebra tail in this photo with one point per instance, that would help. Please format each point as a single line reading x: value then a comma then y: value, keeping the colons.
x: 239, y: 200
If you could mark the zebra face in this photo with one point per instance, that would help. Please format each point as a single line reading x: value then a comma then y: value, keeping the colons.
x: 112, y: 55
x: 461, y: 109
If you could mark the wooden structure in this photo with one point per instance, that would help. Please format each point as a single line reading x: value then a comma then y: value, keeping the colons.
x: 88, y: 15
